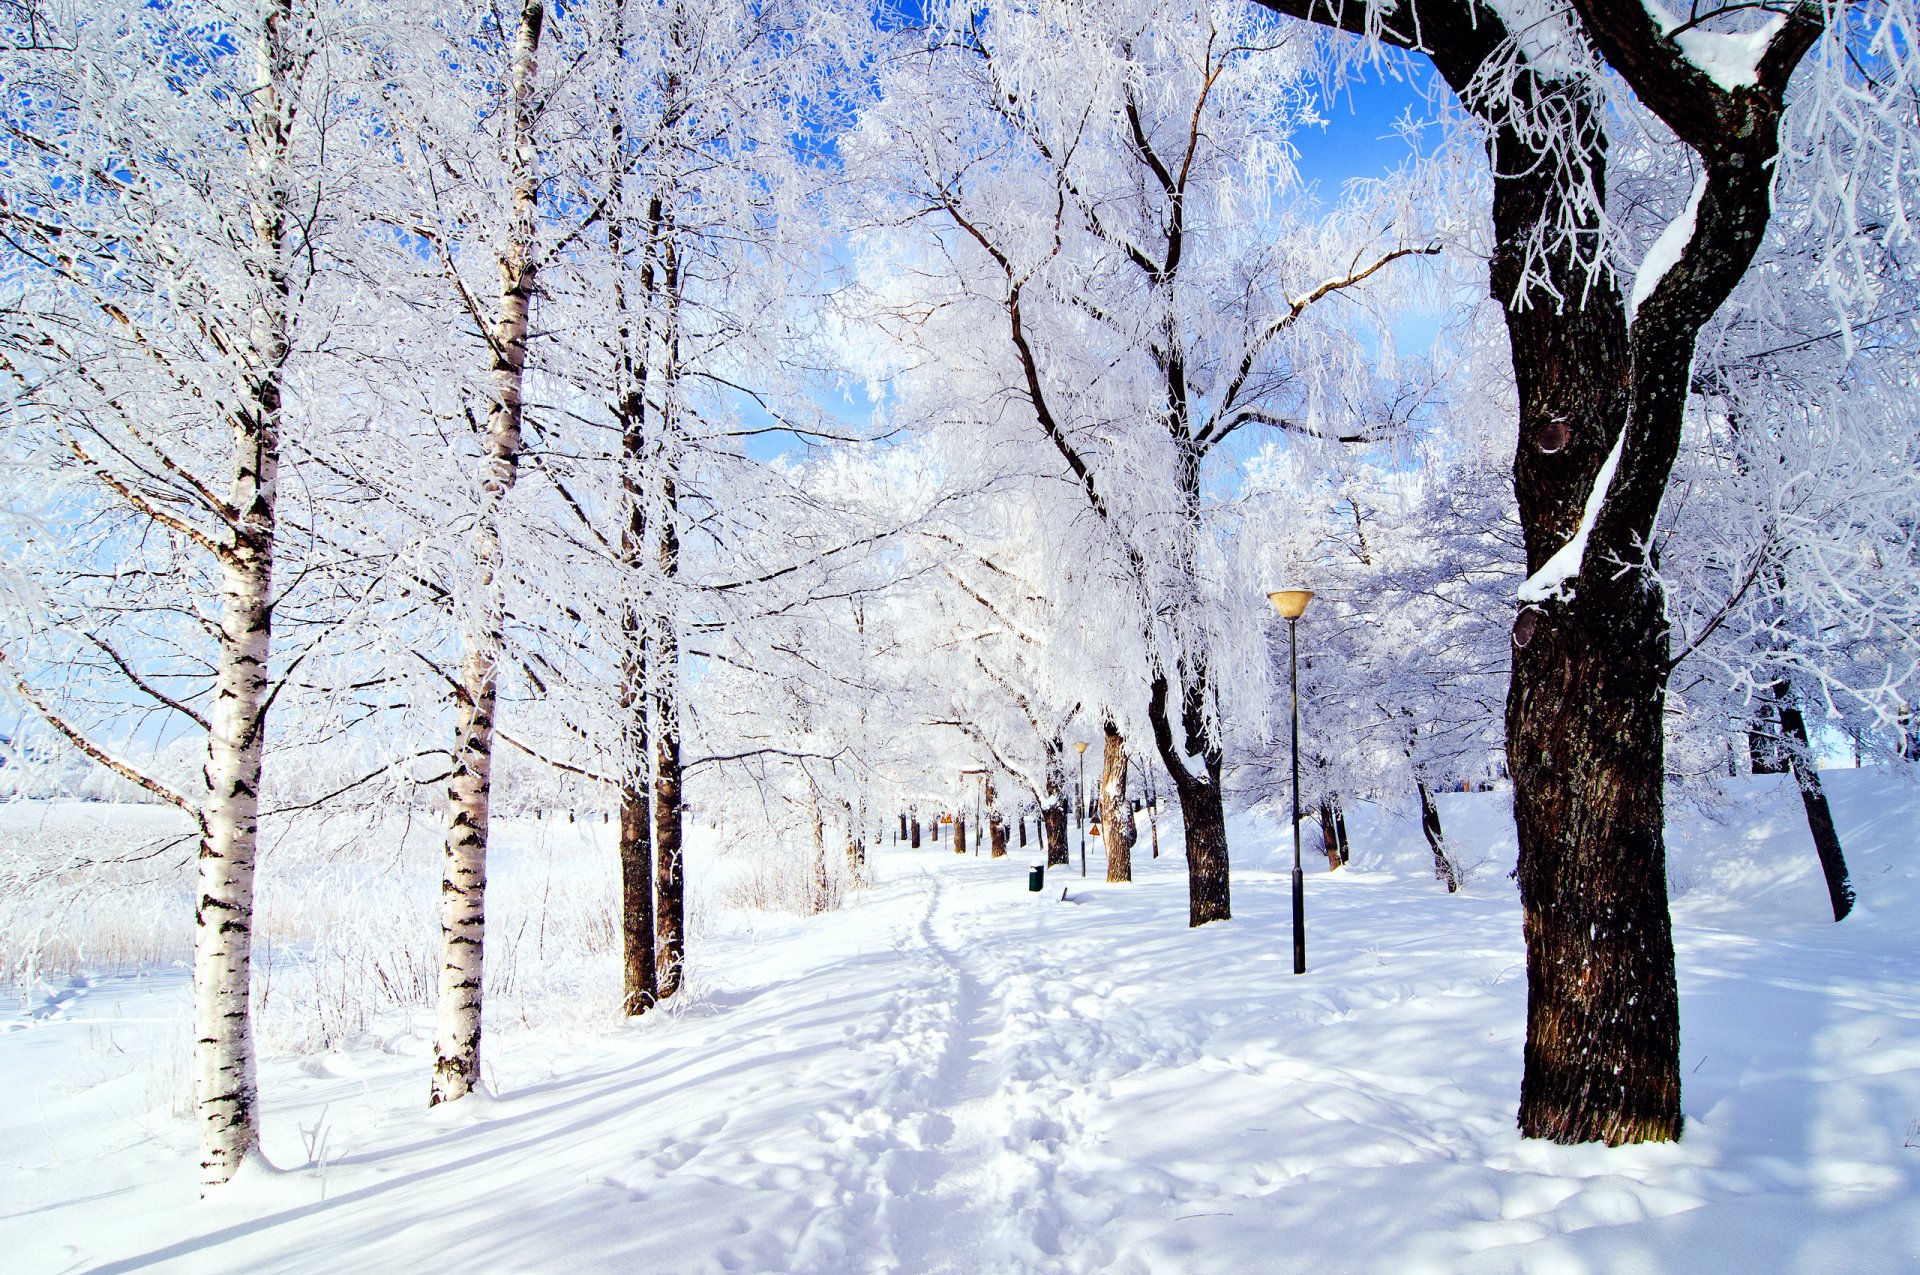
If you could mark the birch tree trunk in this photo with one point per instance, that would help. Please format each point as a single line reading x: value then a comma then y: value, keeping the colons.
x: 1116, y: 813
x: 225, y: 1084
x: 456, y: 1068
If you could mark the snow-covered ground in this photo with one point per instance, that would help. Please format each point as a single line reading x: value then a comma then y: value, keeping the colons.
x: 956, y: 1075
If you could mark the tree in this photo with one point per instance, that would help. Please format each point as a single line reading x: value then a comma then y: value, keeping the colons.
x: 1603, y: 378
x: 162, y: 215
x: 1160, y: 300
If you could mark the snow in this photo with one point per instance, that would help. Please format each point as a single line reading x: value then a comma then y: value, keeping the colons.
x: 1731, y: 59
x: 1551, y: 579
x: 956, y: 1075
x: 1666, y: 250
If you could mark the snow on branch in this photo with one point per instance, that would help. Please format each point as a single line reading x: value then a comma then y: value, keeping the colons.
x: 1550, y: 580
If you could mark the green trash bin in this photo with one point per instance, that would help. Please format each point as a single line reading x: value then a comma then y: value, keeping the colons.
x: 1036, y: 877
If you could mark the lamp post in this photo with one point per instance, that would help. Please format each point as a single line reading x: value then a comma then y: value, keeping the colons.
x: 1080, y: 806
x: 1292, y: 604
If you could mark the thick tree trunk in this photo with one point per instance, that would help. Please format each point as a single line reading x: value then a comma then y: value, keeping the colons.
x: 1603, y: 1029
x: 1826, y: 837
x: 1340, y: 830
x: 1116, y: 812
x: 1205, y: 816
x: 1443, y: 869
x: 914, y: 841
x: 959, y: 834
x: 456, y: 1067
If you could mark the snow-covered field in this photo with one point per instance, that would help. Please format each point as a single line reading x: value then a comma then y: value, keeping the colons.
x: 953, y: 1074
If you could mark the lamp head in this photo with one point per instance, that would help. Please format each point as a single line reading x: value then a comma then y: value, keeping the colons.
x: 1080, y: 747
x: 1290, y: 603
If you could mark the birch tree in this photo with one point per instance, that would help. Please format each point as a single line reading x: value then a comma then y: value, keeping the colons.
x: 162, y: 204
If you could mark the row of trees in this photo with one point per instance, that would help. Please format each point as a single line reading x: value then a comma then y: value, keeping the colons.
x: 395, y: 372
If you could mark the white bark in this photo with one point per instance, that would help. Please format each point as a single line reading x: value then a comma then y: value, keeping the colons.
x: 463, y: 886
x: 223, y: 1058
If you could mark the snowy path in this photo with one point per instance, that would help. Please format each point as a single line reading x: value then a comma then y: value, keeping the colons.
x: 955, y: 1075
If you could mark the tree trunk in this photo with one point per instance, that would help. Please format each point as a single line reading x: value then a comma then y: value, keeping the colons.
x: 1585, y: 745
x: 639, y: 982
x: 914, y: 841
x: 996, y: 826
x: 1340, y: 830
x: 224, y: 1076
x: 463, y: 884
x: 856, y: 840
x: 1202, y: 809
x: 1826, y: 837
x: 640, y: 986
x: 817, y: 879
x: 1116, y: 812
x: 1053, y: 814
x: 670, y: 879
x: 1443, y: 869
x: 1329, y: 840
x: 959, y: 834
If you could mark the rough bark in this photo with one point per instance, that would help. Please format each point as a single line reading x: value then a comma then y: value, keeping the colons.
x: 996, y: 825
x: 1813, y: 797
x: 959, y: 834
x: 639, y: 983
x: 1340, y: 830
x: 1053, y: 812
x: 1443, y: 869
x: 1329, y: 840
x: 1584, y: 737
x: 1202, y: 809
x: 1116, y: 812
x: 456, y: 1066
x: 914, y: 839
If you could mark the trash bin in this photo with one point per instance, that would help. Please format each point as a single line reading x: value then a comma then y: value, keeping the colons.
x: 1036, y: 877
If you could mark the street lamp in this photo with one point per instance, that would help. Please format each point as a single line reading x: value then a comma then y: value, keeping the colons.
x: 1292, y: 604
x: 1080, y: 806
